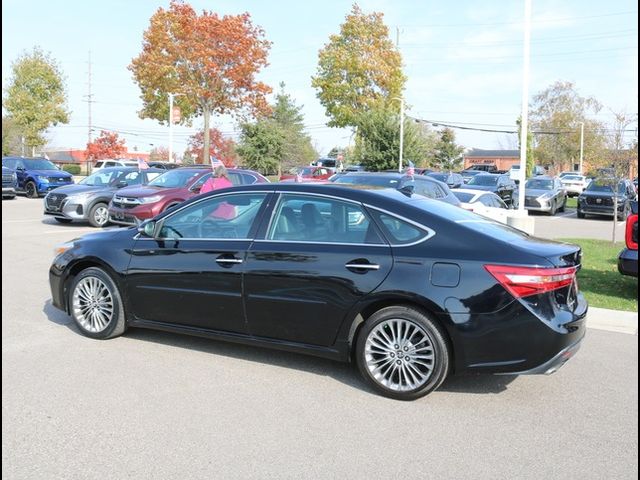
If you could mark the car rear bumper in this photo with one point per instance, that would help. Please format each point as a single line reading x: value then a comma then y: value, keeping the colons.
x: 553, y: 364
x: 628, y: 262
x: 519, y: 339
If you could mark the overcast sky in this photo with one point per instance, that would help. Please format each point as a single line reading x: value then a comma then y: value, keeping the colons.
x: 463, y: 59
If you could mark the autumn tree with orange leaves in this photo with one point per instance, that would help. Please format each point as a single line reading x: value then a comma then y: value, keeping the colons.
x: 224, y: 149
x: 107, y: 145
x: 209, y: 61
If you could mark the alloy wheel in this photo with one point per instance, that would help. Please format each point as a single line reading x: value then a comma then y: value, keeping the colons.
x: 101, y: 215
x: 399, y: 355
x: 93, y: 304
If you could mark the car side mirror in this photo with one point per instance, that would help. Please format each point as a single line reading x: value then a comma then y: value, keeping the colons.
x: 148, y: 229
x: 121, y: 183
x: 196, y: 189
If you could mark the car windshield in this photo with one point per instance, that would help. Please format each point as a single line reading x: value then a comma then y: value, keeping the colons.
x: 174, y: 178
x: 464, y: 197
x: 306, y: 171
x: 368, y: 180
x: 38, y: 164
x: 537, y: 184
x: 439, y: 176
x: 604, y: 186
x: 104, y: 177
x: 483, y: 180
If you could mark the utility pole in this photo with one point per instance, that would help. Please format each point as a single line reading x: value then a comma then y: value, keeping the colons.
x: 524, y: 127
x: 581, y: 146
x: 89, y: 119
x: 171, y: 127
x: 401, y: 133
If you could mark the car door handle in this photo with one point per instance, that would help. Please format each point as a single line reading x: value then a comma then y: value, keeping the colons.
x: 362, y: 266
x: 227, y: 260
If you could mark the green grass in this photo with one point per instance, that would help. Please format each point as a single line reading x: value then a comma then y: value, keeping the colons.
x: 572, y: 202
x: 599, y: 278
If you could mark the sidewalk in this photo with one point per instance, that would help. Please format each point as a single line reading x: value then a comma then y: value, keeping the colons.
x: 613, y: 320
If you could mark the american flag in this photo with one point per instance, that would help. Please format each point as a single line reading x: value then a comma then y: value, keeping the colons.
x: 411, y: 170
x: 215, y: 162
x: 142, y: 165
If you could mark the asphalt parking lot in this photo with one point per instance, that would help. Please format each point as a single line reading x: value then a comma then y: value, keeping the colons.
x: 154, y: 405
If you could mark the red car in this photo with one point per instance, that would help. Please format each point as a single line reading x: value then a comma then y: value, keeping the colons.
x: 132, y: 205
x: 310, y: 174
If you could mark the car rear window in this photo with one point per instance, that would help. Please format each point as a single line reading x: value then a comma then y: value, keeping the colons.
x: 464, y: 197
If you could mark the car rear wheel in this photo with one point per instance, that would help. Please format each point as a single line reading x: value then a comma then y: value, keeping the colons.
x: 96, y: 304
x: 30, y: 190
x: 402, y: 353
x: 99, y: 215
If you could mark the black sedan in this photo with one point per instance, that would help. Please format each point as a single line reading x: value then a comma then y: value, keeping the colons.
x: 410, y: 288
x: 420, y: 184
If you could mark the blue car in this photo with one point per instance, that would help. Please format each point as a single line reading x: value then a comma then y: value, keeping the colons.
x: 36, y: 176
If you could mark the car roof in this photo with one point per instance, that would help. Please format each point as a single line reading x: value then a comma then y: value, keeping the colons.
x: 130, y: 169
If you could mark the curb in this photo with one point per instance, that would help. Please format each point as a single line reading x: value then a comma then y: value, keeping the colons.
x: 613, y: 320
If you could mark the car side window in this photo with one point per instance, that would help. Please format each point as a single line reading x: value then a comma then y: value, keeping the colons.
x: 486, y: 200
x: 133, y: 178
x: 220, y: 217
x: 398, y: 231
x: 200, y: 182
x: 314, y: 219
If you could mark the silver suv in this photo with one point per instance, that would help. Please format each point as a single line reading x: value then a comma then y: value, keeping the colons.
x: 88, y: 199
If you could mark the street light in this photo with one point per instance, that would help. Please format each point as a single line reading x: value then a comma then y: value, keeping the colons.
x: 524, y: 125
x: 581, y: 145
x: 401, y: 131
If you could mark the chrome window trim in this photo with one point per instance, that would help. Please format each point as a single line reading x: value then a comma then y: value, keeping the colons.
x: 430, y: 232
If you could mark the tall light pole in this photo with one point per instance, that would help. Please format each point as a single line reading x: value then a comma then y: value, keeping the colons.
x: 524, y: 127
x: 401, y: 100
x: 581, y: 146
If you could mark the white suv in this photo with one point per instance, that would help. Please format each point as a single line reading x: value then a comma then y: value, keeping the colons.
x: 574, y: 184
x: 114, y: 163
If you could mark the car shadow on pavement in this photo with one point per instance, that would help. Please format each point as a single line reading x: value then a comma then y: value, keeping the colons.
x: 345, y: 373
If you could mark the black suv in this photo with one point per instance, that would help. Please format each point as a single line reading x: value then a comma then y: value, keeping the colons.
x: 599, y: 198
x: 500, y: 184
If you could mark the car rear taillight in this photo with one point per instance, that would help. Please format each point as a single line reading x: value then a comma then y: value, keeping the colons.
x: 632, y: 232
x: 525, y: 281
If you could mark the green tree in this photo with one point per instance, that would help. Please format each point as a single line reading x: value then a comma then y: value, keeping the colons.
x: 261, y: 145
x: 11, y: 136
x: 359, y: 69
x: 378, y: 141
x: 556, y: 115
x: 447, y: 155
x: 287, y: 116
x: 531, y: 163
x: 35, y: 97
x: 211, y: 61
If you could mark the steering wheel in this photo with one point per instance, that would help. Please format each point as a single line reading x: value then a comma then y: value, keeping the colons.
x: 208, y: 228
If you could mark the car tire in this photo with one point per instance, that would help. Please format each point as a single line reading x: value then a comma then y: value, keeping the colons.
x: 563, y: 208
x: 96, y: 305
x: 625, y: 213
x: 378, y: 363
x: 30, y: 190
x: 99, y: 215
x: 63, y: 220
x: 580, y: 214
x: 553, y: 210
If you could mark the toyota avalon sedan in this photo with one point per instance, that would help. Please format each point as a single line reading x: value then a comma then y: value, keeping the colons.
x: 409, y: 288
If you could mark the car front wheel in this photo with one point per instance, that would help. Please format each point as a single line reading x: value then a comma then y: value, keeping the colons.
x: 99, y: 215
x: 402, y: 353
x: 96, y: 304
x: 30, y: 190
